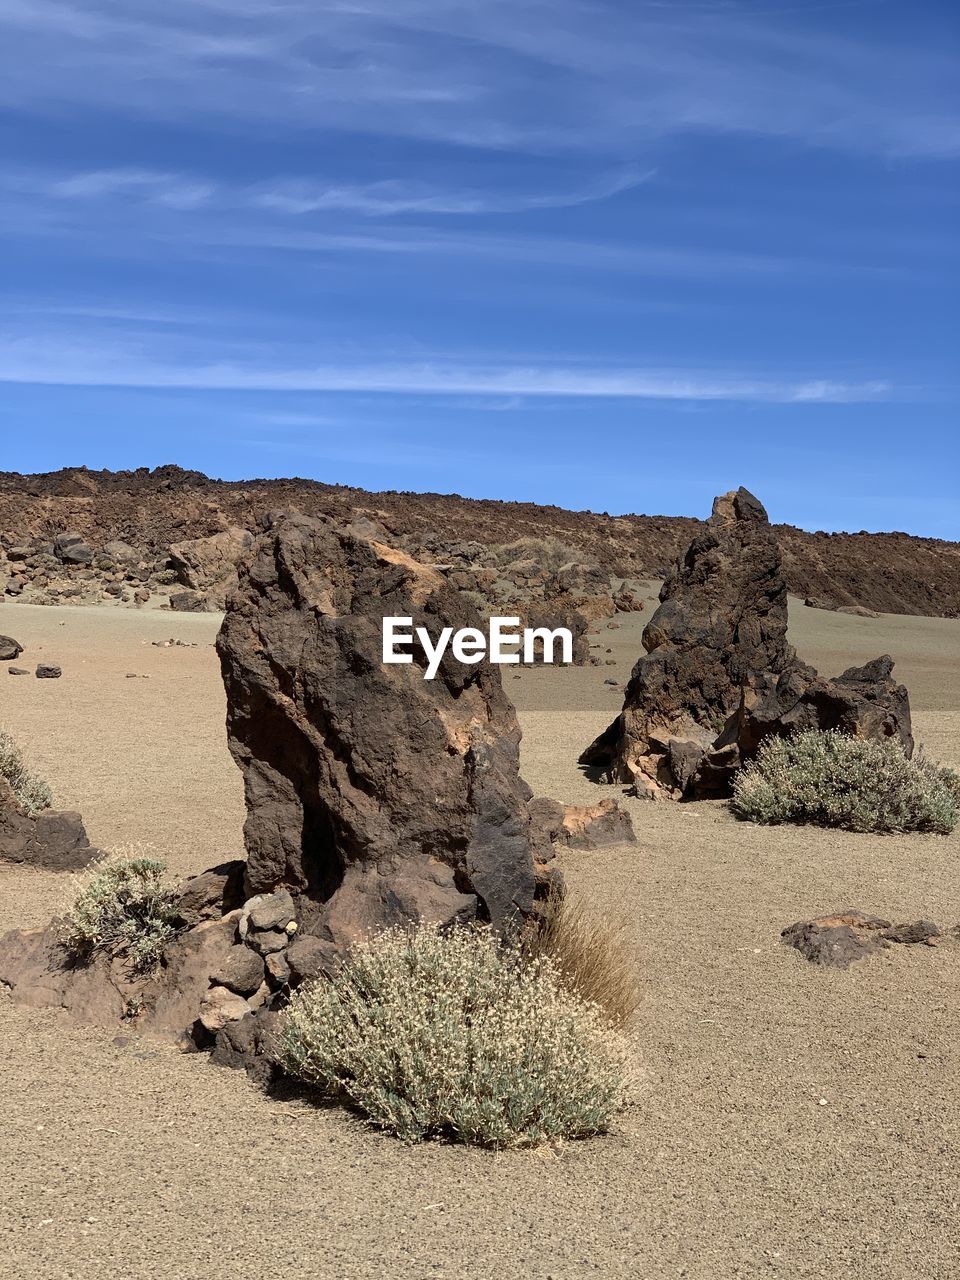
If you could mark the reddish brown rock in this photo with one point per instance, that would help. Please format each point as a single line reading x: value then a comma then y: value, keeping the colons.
x: 839, y: 939
x: 209, y: 565
x: 719, y: 674
x: 54, y: 839
x: 9, y: 649
x: 372, y: 793
x: 836, y: 940
x: 588, y: 826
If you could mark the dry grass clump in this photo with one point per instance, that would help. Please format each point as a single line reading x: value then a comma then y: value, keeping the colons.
x: 122, y: 905
x: 592, y: 956
x: 31, y: 792
x: 453, y: 1034
x: 833, y: 780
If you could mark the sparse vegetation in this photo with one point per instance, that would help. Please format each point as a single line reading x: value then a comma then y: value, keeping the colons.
x: 834, y: 780
x: 453, y: 1034
x: 31, y: 792
x: 592, y: 957
x: 122, y: 905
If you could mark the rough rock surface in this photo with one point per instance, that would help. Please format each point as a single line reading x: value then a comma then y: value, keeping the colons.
x: 839, y: 939
x: 9, y: 649
x: 484, y: 542
x: 587, y: 826
x: 719, y: 674
x: 373, y: 795
x: 209, y: 565
x: 53, y: 839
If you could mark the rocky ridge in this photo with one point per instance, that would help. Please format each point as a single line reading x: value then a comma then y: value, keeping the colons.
x: 124, y: 528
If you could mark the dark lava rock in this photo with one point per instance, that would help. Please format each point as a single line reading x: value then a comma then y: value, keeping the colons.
x: 917, y: 931
x: 845, y: 936
x: 53, y: 839
x: 591, y: 826
x: 70, y: 548
x: 189, y: 602
x: 372, y: 794
x: 9, y: 648
x: 242, y: 971
x: 48, y: 671
x: 17, y: 671
x: 837, y: 940
x: 719, y: 674
x: 211, y: 894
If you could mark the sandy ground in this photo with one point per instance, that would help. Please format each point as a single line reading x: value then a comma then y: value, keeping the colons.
x: 796, y: 1122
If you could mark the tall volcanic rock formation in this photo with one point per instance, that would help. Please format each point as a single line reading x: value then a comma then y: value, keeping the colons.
x: 719, y: 674
x: 372, y: 794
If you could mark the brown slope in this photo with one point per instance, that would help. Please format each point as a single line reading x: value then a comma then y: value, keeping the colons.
x: 889, y: 572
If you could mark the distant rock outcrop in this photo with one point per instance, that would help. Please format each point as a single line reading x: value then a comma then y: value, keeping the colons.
x: 719, y: 674
x: 208, y: 566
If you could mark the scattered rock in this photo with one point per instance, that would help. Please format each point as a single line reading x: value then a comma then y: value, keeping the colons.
x: 70, y: 548
x: 212, y: 894
x: 311, y: 957
x: 9, y: 648
x: 836, y: 940
x: 220, y: 1006
x: 917, y: 931
x: 242, y: 971
x: 18, y: 671
x: 591, y: 826
x: 189, y: 602
x: 839, y: 939
x: 48, y: 671
x: 54, y: 839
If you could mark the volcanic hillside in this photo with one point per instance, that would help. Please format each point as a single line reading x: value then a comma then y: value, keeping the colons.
x: 152, y: 510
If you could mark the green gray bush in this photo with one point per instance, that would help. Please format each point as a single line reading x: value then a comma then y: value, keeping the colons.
x: 31, y: 792
x: 833, y: 780
x: 123, y: 906
x: 452, y: 1034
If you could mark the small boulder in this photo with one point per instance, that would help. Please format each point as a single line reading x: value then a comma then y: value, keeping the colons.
x: 916, y: 931
x: 219, y: 1006
x: 242, y: 971
x: 70, y: 548
x: 588, y: 826
x: 837, y: 940
x: 9, y: 648
x: 211, y: 894
x: 48, y: 671
x: 311, y: 957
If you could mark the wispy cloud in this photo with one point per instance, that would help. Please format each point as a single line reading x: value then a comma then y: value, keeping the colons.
x: 80, y: 363
x: 523, y: 75
x: 384, y: 198
x: 196, y: 217
x: 169, y: 189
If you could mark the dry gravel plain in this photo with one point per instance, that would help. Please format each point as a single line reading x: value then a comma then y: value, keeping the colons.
x: 796, y: 1123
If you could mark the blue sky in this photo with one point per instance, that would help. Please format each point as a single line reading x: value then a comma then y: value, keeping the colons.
x: 616, y: 255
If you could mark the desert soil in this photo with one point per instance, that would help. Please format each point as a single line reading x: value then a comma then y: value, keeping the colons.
x: 795, y: 1122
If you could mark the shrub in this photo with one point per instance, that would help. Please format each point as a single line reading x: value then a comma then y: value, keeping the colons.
x: 123, y: 906
x: 834, y: 780
x: 453, y: 1034
x: 592, y: 957
x: 31, y: 792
